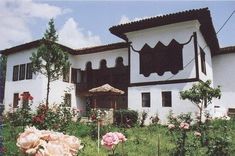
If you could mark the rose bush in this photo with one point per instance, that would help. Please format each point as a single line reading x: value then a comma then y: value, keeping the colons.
x: 57, y: 117
x: 47, y: 143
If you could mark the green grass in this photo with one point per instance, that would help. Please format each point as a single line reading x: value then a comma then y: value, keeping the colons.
x: 142, y: 141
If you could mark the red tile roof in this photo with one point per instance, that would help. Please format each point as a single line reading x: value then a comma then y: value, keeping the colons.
x: 202, y: 15
x: 87, y: 50
x: 102, y: 48
x: 226, y: 50
x: 30, y: 45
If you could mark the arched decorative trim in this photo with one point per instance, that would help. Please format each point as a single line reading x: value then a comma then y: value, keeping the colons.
x: 162, y: 58
x: 89, y: 65
x: 119, y: 62
x: 103, y: 64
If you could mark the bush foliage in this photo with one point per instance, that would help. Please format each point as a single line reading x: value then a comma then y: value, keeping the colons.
x: 126, y: 118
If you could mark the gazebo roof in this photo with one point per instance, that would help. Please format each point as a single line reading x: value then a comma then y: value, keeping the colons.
x: 106, y: 89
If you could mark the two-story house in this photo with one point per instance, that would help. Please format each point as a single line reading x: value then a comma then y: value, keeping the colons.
x: 160, y: 57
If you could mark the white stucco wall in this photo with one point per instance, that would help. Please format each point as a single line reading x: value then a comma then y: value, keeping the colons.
x: 34, y: 86
x: 181, y: 32
x: 37, y: 86
x: 178, y: 106
x: 208, y: 59
x: 110, y: 56
x: 224, y: 75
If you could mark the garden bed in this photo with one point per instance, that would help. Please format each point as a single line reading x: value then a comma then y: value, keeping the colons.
x: 142, y: 141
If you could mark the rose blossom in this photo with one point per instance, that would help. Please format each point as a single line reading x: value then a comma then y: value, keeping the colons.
x: 121, y: 137
x: 171, y: 126
x: 73, y: 143
x: 109, y: 140
x: 50, y: 135
x: 32, y: 151
x: 54, y: 148
x: 28, y: 139
x: 197, y: 134
x: 52, y: 143
x: 184, y: 125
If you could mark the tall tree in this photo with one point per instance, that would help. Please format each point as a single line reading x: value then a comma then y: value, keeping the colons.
x: 50, y: 60
x: 3, y: 64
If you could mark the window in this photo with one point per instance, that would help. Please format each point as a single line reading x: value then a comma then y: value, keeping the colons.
x: 66, y: 75
x: 29, y: 73
x: 145, y: 99
x: 22, y: 72
x: 203, y: 63
x: 16, y: 73
x: 166, y: 99
x: 15, y: 100
x: 74, y: 75
x: 161, y: 58
x: 67, y: 100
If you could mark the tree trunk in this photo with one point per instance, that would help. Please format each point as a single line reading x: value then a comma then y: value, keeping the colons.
x: 48, y: 90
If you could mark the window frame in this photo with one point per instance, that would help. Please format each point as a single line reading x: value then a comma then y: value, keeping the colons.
x: 66, y: 75
x: 146, y: 99
x: 68, y: 99
x: 166, y: 99
x: 15, y: 75
x: 73, y: 75
x: 29, y: 72
x: 203, y: 60
x: 15, y: 100
x: 22, y: 71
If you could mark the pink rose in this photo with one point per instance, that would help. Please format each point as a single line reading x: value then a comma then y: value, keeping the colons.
x: 171, y: 126
x: 73, y: 143
x: 184, y: 125
x: 32, y: 151
x: 197, y: 134
x: 28, y: 139
x: 54, y: 148
x: 121, y: 137
x: 109, y: 140
x: 52, y: 143
x: 50, y: 135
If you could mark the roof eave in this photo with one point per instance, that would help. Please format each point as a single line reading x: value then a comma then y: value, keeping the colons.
x: 31, y: 45
x: 202, y: 15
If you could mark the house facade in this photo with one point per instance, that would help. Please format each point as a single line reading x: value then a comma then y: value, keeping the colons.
x: 160, y: 57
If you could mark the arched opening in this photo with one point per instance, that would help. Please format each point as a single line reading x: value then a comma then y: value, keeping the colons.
x: 103, y: 64
x: 89, y: 65
x: 119, y: 62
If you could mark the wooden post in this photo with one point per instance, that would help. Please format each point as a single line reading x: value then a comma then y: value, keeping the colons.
x: 98, y: 136
x: 115, y: 104
x: 94, y: 102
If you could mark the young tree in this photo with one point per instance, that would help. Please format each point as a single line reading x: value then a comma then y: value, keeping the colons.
x: 3, y: 64
x: 50, y: 60
x: 201, y: 95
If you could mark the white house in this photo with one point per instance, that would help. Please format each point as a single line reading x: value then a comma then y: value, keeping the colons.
x: 160, y: 57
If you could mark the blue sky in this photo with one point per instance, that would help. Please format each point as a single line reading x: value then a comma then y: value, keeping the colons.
x: 82, y: 23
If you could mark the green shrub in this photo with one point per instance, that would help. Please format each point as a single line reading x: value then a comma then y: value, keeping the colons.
x: 56, y: 118
x: 21, y: 116
x: 127, y: 118
x: 80, y: 130
x: 220, y: 139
